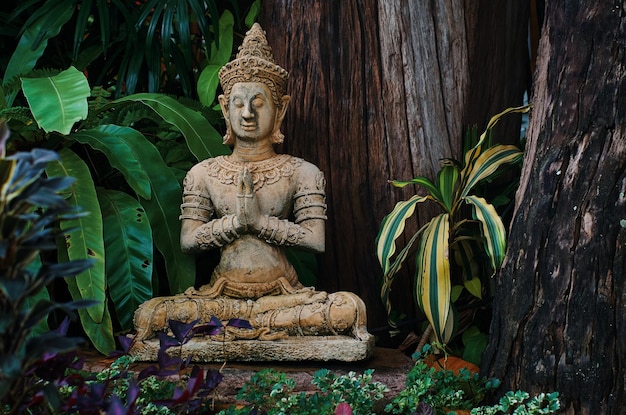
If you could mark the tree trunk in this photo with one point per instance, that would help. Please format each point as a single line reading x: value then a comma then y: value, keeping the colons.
x: 560, y: 315
x: 379, y: 91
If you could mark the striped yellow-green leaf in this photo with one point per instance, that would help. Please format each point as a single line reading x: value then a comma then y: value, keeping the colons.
x: 392, y: 227
x: 487, y: 163
x: 422, y: 181
x: 450, y: 328
x: 57, y: 102
x: 473, y: 154
x: 433, y: 279
x: 492, y: 229
x: 446, y: 179
x: 83, y: 236
x: 7, y: 169
x: 494, y: 120
x: 388, y: 278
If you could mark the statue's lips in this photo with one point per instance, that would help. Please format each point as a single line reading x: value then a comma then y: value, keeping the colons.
x: 248, y: 127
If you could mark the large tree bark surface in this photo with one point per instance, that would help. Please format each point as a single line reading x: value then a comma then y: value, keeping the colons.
x: 379, y: 91
x: 560, y: 316
x: 499, y: 72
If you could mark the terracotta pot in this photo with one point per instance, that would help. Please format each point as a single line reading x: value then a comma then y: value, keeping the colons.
x: 452, y: 363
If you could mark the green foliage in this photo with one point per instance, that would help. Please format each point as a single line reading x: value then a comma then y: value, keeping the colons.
x: 474, y: 342
x: 520, y: 403
x: 129, y: 278
x: 67, y: 92
x: 58, y: 384
x: 129, y: 155
x: 119, y: 379
x: 272, y: 392
x: 127, y: 46
x: 432, y: 391
x: 467, y: 237
x: 439, y: 389
x: 107, y: 158
x: 118, y: 150
x: 32, y: 212
x: 359, y: 391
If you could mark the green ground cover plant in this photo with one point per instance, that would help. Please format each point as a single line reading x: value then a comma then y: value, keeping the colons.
x: 271, y: 392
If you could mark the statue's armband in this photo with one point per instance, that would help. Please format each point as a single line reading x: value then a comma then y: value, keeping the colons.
x: 310, y: 201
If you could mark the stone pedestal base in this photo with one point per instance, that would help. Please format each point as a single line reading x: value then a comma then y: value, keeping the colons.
x: 305, y: 348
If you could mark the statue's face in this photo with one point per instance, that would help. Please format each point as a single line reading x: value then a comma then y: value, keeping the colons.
x: 251, y: 111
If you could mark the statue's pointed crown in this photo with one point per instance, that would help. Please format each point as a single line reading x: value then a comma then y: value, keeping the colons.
x: 255, y: 63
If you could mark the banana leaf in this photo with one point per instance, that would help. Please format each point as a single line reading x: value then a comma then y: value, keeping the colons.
x: 122, y: 152
x: 57, y: 102
x: 209, y: 80
x: 83, y: 235
x: 162, y: 208
x: 32, y: 44
x: 100, y: 334
x: 202, y: 138
x: 129, y: 257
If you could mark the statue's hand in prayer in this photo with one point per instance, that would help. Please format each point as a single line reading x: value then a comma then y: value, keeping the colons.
x: 248, y: 213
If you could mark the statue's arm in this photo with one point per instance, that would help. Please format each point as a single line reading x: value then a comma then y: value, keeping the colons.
x: 198, y: 236
x: 200, y: 231
x: 309, y: 209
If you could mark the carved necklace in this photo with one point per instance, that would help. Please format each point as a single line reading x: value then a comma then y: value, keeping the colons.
x: 269, y: 171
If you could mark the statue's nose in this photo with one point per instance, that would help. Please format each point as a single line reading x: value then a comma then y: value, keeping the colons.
x: 247, y: 112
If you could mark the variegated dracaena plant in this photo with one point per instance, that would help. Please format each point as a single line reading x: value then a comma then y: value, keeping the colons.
x: 452, y: 191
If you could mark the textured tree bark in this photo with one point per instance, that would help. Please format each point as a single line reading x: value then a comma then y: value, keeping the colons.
x: 499, y: 73
x: 560, y: 315
x: 379, y: 91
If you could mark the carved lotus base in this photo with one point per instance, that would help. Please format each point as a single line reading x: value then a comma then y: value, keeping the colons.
x: 301, y: 348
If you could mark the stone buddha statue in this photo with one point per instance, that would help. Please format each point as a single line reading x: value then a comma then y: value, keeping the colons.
x: 250, y: 205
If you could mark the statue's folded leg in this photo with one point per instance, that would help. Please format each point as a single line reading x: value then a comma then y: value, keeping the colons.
x: 347, y: 301
x: 313, y: 314
x: 306, y: 313
x: 155, y: 314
